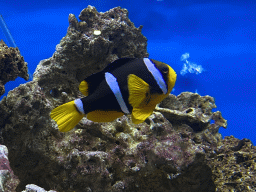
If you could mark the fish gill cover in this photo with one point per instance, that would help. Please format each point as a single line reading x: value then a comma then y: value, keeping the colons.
x: 176, y: 149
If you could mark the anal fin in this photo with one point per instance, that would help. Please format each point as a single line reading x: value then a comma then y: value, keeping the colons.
x: 103, y: 116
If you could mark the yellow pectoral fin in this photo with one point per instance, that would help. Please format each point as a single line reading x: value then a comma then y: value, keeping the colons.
x: 139, y: 115
x: 104, y: 116
x: 66, y: 116
x: 83, y: 87
x: 139, y: 91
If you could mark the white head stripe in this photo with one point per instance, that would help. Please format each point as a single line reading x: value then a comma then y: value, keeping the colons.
x: 112, y: 83
x: 156, y: 74
x: 79, y: 105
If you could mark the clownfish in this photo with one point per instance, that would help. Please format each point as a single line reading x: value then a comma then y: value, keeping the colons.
x: 126, y: 86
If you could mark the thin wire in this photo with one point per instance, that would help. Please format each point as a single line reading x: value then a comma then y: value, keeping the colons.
x: 9, y: 37
x: 6, y: 32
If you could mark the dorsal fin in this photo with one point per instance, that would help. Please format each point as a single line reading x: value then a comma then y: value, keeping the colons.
x: 89, y: 84
x: 117, y: 63
x: 83, y: 87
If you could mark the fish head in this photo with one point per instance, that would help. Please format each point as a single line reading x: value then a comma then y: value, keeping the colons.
x: 168, y: 74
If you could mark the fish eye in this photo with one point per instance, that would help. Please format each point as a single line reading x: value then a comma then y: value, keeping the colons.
x: 165, y: 69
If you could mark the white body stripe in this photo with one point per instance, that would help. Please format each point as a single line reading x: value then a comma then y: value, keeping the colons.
x: 112, y: 83
x: 79, y: 105
x: 156, y: 74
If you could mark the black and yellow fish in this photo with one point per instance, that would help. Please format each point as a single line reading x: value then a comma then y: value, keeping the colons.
x: 126, y: 86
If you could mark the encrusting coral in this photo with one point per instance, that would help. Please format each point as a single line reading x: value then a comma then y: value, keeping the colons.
x: 176, y: 149
x: 12, y: 65
x: 233, y: 165
x: 8, y: 181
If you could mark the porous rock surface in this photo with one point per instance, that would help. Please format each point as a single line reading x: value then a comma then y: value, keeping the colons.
x: 176, y: 149
x: 12, y: 65
x: 234, y: 165
x: 8, y: 181
x: 35, y: 188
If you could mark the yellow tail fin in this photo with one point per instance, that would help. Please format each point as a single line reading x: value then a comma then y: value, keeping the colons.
x: 66, y: 116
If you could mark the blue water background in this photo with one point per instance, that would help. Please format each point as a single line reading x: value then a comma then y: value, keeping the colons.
x: 219, y: 35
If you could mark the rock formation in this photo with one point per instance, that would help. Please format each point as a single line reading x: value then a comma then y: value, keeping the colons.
x: 178, y: 148
x: 12, y: 65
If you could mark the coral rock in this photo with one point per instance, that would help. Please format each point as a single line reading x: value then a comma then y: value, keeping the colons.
x: 233, y: 165
x: 35, y: 188
x: 176, y: 149
x: 4, y: 175
x: 12, y: 65
x: 8, y: 181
